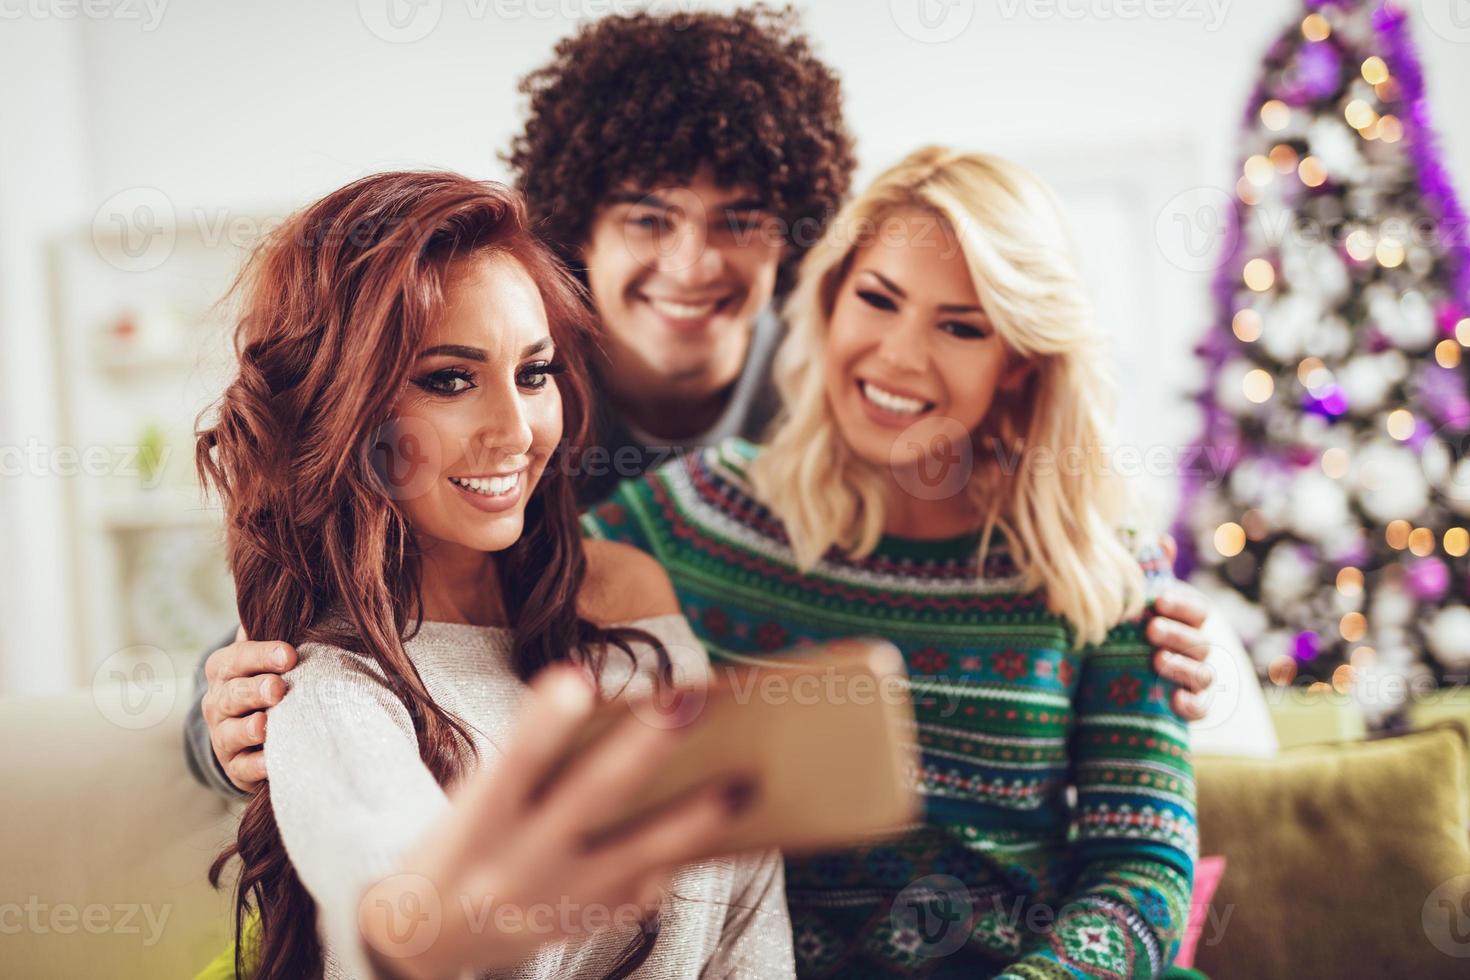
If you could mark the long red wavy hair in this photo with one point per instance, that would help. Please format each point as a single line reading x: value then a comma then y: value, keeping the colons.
x: 335, y: 306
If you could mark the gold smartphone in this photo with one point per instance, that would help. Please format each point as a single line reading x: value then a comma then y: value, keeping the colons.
x: 826, y: 736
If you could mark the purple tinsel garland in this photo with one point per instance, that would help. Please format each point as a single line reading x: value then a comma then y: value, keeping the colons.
x: 1391, y: 24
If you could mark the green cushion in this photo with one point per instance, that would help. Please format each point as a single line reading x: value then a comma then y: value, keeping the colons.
x: 1344, y: 860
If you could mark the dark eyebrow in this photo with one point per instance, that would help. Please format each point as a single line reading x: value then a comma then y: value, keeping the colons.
x: 944, y: 308
x: 455, y: 350
x: 476, y: 354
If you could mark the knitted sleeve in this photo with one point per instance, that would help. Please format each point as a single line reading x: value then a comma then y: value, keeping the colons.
x: 1136, y: 836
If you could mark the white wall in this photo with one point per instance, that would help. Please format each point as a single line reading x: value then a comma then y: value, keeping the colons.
x: 247, y: 108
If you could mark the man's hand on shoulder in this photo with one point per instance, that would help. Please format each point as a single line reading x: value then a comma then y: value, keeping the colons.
x: 244, y: 680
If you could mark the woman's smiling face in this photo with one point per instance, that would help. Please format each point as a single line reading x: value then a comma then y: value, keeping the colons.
x: 908, y: 340
x: 481, y: 414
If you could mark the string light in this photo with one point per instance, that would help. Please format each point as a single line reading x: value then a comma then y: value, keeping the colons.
x: 1312, y: 373
x: 1316, y: 28
x: 1258, y: 170
x: 1343, y: 677
x: 1390, y: 130
x: 1390, y: 253
x: 1259, y: 275
x: 1275, y: 115
x: 1350, y: 581
x: 1359, y: 114
x: 1421, y: 542
x: 1374, y: 70
x: 1400, y: 423
x: 1282, y: 671
x: 1363, y: 657
x: 1447, y: 354
x: 1229, y: 539
x: 1335, y: 463
x: 1353, y: 626
x: 1257, y: 386
x: 1397, y: 534
x: 1359, y: 244
x: 1457, y: 542
x: 1246, y: 191
x: 1311, y: 172
x: 1462, y: 332
x: 1283, y: 158
x: 1247, y: 325
x: 1387, y: 91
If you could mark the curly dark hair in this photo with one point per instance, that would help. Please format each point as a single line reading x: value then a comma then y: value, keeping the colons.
x: 650, y: 98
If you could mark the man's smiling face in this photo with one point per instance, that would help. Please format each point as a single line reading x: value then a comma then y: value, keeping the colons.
x: 678, y: 275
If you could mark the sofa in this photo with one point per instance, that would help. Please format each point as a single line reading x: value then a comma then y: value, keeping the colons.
x: 1334, y: 852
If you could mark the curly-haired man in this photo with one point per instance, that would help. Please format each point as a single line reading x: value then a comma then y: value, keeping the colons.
x: 681, y: 164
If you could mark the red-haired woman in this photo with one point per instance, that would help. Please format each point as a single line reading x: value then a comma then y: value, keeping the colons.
x: 387, y: 460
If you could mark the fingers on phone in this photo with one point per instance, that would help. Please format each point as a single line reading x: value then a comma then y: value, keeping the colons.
x: 608, y: 774
x: 681, y: 833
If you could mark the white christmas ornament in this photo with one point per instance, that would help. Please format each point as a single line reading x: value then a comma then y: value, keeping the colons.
x: 1366, y: 381
x: 1319, y: 507
x: 1390, y: 483
x: 1448, y: 635
x: 1287, y: 576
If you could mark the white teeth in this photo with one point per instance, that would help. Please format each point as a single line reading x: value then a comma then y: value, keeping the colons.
x: 684, y: 311
x: 890, y: 401
x: 491, y: 486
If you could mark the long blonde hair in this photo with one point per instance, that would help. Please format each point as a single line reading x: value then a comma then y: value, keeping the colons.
x: 1061, y: 519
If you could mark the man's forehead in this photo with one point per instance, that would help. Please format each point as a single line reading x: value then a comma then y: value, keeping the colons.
x: 680, y: 193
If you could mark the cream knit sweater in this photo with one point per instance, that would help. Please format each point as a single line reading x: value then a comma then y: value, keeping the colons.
x: 350, y: 795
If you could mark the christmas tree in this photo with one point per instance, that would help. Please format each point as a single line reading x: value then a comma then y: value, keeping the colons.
x: 1335, y: 534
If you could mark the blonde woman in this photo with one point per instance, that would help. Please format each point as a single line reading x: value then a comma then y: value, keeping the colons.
x: 937, y: 478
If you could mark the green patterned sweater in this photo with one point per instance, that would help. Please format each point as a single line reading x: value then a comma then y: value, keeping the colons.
x: 1058, y: 837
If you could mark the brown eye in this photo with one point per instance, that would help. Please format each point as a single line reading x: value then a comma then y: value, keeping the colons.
x: 449, y: 381
x: 534, y: 376
x: 877, y: 300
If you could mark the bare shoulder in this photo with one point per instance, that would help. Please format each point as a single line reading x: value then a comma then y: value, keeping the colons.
x: 624, y: 584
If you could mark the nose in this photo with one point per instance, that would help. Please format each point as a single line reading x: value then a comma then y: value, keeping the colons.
x: 688, y: 259
x: 906, y: 348
x: 503, y: 437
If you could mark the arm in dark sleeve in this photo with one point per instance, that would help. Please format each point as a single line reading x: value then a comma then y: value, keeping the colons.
x: 198, y: 751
